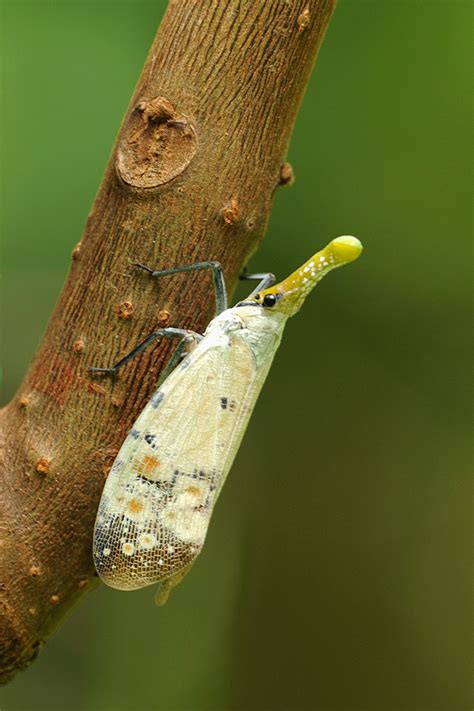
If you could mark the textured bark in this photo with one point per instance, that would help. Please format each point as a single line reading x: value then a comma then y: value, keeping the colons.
x: 192, y: 175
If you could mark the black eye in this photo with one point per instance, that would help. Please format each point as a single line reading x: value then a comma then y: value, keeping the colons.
x: 269, y: 300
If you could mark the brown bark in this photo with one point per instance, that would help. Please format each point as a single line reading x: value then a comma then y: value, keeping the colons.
x: 191, y: 177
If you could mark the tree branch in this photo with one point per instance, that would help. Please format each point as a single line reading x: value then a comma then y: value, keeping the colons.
x: 192, y: 175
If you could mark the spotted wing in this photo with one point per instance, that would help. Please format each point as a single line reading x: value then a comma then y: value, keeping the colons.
x: 158, y: 499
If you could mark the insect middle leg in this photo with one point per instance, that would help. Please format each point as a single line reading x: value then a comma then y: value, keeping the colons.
x: 186, y: 337
x: 217, y: 276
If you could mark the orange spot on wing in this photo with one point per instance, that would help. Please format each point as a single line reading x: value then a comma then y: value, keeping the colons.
x: 193, y: 490
x: 135, y: 506
x: 150, y: 464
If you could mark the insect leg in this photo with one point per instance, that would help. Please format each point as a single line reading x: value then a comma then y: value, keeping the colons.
x: 217, y: 276
x: 180, y: 333
x: 178, y: 354
x: 165, y: 587
x: 265, y: 279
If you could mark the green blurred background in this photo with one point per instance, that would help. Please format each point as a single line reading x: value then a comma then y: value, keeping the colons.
x: 335, y: 575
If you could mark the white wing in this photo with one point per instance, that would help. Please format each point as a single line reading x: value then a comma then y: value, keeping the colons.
x: 158, y: 499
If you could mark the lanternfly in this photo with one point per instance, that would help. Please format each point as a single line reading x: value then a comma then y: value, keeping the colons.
x: 158, y: 499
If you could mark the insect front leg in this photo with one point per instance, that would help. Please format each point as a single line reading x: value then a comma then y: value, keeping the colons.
x: 217, y: 276
x: 265, y: 279
x: 184, y: 335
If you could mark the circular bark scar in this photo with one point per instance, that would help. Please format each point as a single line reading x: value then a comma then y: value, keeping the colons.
x: 156, y: 144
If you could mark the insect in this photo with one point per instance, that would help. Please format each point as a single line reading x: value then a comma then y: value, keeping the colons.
x: 159, y: 496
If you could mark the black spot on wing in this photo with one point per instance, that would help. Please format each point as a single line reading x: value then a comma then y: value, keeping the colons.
x: 150, y: 439
x: 153, y: 482
x: 117, y: 465
x: 227, y: 404
x: 135, y: 433
x: 157, y: 399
